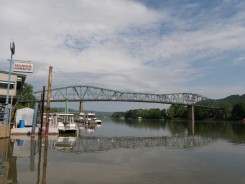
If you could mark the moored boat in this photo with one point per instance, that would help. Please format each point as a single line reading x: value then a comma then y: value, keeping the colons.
x: 66, y: 124
x: 89, y: 118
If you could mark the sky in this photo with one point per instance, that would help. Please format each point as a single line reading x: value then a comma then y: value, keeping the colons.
x: 146, y: 46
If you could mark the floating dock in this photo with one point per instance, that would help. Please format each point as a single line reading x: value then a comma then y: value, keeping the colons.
x: 28, y: 131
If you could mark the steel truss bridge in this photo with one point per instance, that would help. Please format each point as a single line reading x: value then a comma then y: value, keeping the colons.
x: 90, y: 93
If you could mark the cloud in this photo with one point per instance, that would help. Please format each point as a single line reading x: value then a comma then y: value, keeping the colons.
x: 126, y: 45
x: 239, y: 60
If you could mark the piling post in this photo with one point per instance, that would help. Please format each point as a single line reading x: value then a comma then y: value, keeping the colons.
x: 32, y: 153
x: 48, y: 99
x: 42, y: 109
x: 45, y: 160
x: 39, y: 157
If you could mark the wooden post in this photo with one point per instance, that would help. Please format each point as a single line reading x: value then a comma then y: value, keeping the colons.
x: 45, y: 160
x: 42, y: 109
x: 39, y: 157
x: 48, y: 99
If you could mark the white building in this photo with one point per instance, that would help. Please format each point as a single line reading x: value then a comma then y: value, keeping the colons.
x: 16, y: 83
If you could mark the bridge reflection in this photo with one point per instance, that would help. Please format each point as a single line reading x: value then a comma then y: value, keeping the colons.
x: 36, y: 149
x: 31, y: 147
x: 93, y: 144
x: 97, y: 144
x: 88, y: 143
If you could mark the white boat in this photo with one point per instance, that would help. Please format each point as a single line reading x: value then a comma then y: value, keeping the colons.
x: 81, y: 118
x: 92, y: 118
x: 66, y: 124
x: 89, y: 118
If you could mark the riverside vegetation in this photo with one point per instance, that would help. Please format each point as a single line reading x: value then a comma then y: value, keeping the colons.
x: 233, y: 109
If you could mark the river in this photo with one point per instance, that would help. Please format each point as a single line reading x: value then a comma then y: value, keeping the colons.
x: 125, y: 152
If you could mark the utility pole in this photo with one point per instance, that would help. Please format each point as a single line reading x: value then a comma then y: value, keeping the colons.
x: 7, y: 108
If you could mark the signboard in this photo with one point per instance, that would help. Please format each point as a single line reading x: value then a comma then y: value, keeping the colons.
x: 23, y: 67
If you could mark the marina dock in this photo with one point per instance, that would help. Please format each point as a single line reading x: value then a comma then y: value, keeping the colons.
x: 28, y: 131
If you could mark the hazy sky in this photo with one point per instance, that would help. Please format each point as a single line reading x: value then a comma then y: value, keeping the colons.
x: 151, y: 46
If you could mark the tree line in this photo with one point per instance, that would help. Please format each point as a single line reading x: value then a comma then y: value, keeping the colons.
x: 229, y: 112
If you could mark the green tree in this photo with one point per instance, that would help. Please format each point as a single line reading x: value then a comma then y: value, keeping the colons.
x: 117, y: 115
x: 164, y: 113
x: 154, y: 114
x: 227, y: 110
x: 238, y: 111
x: 177, y: 111
x: 27, y: 94
x: 202, y: 113
x: 143, y: 113
x: 170, y: 112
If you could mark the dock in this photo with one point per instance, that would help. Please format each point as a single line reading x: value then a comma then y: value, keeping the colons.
x: 28, y: 131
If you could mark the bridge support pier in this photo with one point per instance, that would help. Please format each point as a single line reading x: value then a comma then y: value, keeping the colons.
x: 66, y: 107
x: 190, y: 110
x: 191, y: 118
x: 191, y: 127
x: 80, y: 106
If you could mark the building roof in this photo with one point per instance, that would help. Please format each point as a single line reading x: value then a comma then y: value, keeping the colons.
x: 19, y: 75
x: 13, y: 73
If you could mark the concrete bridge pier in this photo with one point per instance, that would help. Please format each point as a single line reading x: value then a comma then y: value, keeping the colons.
x: 191, y: 118
x: 190, y: 110
x: 81, y: 106
x: 191, y: 127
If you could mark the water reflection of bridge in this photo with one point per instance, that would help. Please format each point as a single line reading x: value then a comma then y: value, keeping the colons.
x: 97, y: 144
x: 93, y: 144
x: 27, y: 147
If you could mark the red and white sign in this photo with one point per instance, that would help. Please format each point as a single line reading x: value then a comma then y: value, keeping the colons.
x: 23, y: 67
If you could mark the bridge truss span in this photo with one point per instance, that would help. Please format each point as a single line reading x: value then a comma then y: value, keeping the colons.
x: 90, y: 93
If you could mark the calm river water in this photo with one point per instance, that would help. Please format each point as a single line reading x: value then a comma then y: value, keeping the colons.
x: 119, y: 151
